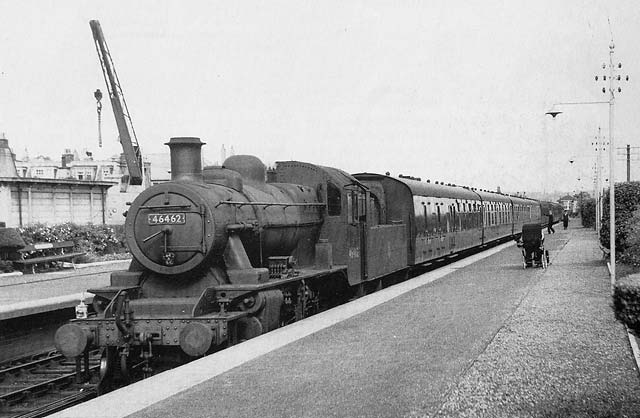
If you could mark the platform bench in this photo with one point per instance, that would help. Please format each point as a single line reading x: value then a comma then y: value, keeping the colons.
x: 49, y: 252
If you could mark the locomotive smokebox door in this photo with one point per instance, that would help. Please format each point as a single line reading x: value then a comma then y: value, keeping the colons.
x: 170, y: 228
x: 356, y: 233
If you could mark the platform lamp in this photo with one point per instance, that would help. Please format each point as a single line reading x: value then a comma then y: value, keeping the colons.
x: 612, y: 206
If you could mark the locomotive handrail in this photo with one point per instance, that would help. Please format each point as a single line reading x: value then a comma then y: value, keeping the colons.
x: 166, y: 207
x: 266, y: 204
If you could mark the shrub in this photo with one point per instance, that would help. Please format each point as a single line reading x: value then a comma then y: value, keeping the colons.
x: 631, y: 254
x: 626, y: 302
x: 627, y: 196
x: 588, y: 212
x: 94, y: 239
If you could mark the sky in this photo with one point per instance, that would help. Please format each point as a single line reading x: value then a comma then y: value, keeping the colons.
x: 452, y: 91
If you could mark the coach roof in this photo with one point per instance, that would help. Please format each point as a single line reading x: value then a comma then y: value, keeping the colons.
x: 420, y: 188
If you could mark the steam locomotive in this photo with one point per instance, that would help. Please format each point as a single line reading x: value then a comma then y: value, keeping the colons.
x: 221, y: 254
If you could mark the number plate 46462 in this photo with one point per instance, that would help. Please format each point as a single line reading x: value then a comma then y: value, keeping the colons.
x: 166, y: 218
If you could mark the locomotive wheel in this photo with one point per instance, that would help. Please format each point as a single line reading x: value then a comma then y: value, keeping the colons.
x: 107, y: 368
x: 114, y: 366
x: 107, y: 362
x: 248, y: 328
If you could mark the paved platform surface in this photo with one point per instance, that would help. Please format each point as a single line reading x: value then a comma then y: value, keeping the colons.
x: 41, y: 292
x: 487, y: 340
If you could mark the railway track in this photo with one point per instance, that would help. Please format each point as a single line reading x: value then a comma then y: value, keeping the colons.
x: 39, y: 385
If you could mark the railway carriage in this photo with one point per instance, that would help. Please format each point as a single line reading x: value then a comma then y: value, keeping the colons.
x: 439, y: 220
x: 524, y: 211
x: 497, y: 216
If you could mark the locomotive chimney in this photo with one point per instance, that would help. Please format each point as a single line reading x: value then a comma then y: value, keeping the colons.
x: 186, y: 159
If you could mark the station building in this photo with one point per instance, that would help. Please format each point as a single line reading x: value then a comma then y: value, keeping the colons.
x: 74, y: 189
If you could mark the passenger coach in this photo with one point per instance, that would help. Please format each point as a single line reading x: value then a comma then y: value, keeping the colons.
x: 442, y: 219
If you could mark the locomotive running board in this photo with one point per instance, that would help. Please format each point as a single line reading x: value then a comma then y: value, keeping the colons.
x: 304, y: 274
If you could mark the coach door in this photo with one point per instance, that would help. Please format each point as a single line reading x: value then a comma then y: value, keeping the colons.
x: 356, y: 233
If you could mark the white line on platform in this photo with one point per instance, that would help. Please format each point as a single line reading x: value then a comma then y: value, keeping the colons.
x: 143, y: 394
x: 634, y: 347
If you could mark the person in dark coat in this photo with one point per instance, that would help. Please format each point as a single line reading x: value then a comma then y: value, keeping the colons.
x: 565, y: 219
x: 550, y: 229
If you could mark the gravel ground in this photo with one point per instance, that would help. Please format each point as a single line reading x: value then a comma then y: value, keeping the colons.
x: 561, y: 354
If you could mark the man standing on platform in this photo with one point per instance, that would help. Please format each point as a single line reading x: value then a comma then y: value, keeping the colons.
x: 550, y: 229
x: 565, y: 219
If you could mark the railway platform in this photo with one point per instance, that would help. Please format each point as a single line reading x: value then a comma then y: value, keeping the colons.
x: 478, y: 338
x: 27, y: 294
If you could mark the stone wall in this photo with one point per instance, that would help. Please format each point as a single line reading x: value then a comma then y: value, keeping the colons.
x: 28, y: 201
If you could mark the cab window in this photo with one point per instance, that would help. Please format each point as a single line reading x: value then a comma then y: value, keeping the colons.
x: 334, y: 200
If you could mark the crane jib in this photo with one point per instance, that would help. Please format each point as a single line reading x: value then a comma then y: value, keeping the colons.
x: 126, y: 132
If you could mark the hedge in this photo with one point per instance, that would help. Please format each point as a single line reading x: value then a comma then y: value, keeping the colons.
x: 627, y: 197
x: 626, y: 292
x: 626, y: 302
x: 588, y: 212
x: 98, y: 240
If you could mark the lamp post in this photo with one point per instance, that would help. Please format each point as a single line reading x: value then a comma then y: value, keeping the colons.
x: 611, y: 102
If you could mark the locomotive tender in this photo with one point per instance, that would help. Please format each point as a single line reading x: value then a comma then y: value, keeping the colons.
x: 220, y: 255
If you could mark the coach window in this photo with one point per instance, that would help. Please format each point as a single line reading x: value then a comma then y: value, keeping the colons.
x: 334, y: 200
x: 487, y: 215
x: 419, y: 213
x: 426, y: 217
x: 492, y: 214
x: 456, y: 219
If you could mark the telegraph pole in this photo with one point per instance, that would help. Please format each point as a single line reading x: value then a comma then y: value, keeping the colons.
x: 612, y: 176
x: 628, y: 153
x: 600, y: 145
x: 628, y: 163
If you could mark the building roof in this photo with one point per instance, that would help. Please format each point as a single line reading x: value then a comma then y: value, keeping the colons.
x: 70, y: 182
